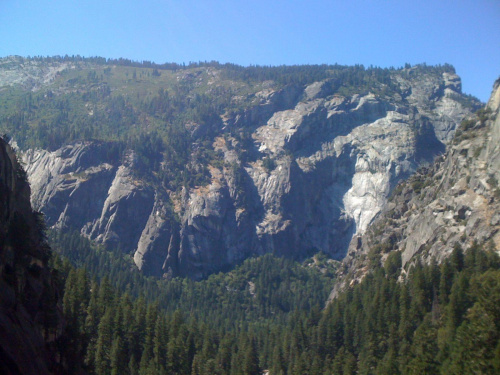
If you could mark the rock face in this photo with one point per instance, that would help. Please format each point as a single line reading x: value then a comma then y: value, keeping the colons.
x: 30, y: 315
x: 454, y: 202
x: 319, y: 170
x: 29, y: 74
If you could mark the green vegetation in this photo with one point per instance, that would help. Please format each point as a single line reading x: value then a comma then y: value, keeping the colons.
x: 266, y: 288
x: 483, y: 114
x: 95, y: 98
x: 469, y: 126
x: 268, y: 314
x: 169, y: 114
x: 269, y: 164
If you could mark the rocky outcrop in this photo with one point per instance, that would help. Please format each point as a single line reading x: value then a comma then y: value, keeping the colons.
x: 128, y: 200
x: 318, y: 168
x: 30, y: 74
x: 30, y: 311
x: 454, y: 202
x: 70, y: 184
x: 492, y: 150
x: 83, y: 186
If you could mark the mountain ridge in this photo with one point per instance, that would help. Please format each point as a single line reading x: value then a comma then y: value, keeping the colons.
x: 292, y: 166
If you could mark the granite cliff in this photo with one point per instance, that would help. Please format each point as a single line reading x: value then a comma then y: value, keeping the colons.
x: 452, y: 203
x: 313, y: 167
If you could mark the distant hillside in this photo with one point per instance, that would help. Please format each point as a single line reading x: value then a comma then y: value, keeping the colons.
x: 192, y: 169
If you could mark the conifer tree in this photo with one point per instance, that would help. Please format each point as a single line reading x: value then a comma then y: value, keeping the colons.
x: 118, y: 357
x: 424, y: 349
x: 91, y: 325
x: 250, y: 358
x: 445, y: 281
x: 278, y: 362
x: 104, y: 344
x: 197, y: 365
x: 133, y: 368
x: 473, y: 348
x: 160, y: 341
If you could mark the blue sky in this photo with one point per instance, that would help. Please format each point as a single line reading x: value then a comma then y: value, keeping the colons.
x: 383, y: 33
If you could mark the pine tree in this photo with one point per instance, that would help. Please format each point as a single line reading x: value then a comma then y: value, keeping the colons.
x: 197, y: 365
x: 445, y: 282
x: 118, y: 357
x: 105, y: 297
x: 104, y: 343
x: 350, y: 364
x: 424, y: 349
x: 459, y: 301
x: 137, y: 332
x: 224, y: 355
x: 149, y: 332
x: 250, y: 359
x: 473, y: 349
x: 457, y: 258
x: 278, y: 362
x: 91, y: 325
x: 405, y: 328
x: 133, y: 368
x: 160, y: 341
x: 388, y: 364
x: 75, y: 301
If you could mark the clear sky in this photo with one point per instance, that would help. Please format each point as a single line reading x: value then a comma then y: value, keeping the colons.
x: 464, y: 33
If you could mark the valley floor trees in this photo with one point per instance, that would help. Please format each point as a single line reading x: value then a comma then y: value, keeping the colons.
x: 443, y: 319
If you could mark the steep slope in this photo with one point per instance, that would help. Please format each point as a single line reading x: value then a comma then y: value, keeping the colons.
x: 30, y: 315
x: 288, y: 168
x: 453, y: 203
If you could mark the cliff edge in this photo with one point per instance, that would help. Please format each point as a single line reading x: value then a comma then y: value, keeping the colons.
x: 30, y: 314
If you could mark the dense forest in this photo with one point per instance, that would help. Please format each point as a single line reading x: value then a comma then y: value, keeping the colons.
x: 264, y: 288
x: 268, y: 315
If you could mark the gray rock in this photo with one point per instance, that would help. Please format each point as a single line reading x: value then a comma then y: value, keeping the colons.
x: 337, y: 159
x: 80, y: 187
x: 30, y: 74
x: 125, y: 212
x: 156, y: 243
x: 456, y: 204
